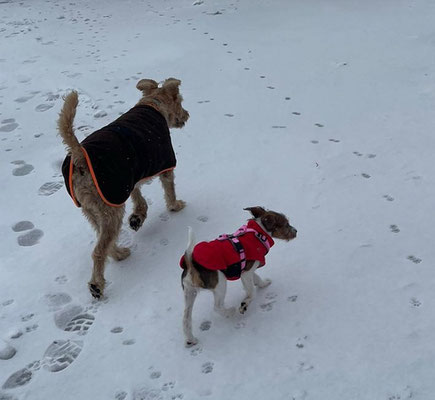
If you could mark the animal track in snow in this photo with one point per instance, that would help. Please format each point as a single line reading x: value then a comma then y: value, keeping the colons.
x: 205, y: 325
x: 300, y: 344
x: 117, y: 329
x: 168, y: 385
x: 364, y: 175
x: 155, y: 374
x: 164, y: 217
x: 61, y: 279
x: 229, y: 115
x: 49, y: 188
x: 334, y: 140
x: 121, y: 395
x: 19, y: 378
x: 267, y: 306
x: 196, y: 351
x: 292, y: 298
x: 388, y: 197
x: 207, y: 368
x: 147, y: 394
x: 129, y: 342
x: 319, y: 125
x: 279, y: 126
x: 415, y: 302
x: 202, y: 218
x: 414, y: 259
x: 394, y: 229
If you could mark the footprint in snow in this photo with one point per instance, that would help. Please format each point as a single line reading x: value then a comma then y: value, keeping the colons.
x: 202, y: 218
x: 61, y: 279
x: 43, y: 107
x: 319, y: 125
x: 30, y: 238
x: 394, y: 229
x: 49, y: 188
x: 147, y: 394
x: 9, y: 125
x: 23, y: 226
x: 205, y: 325
x: 61, y: 354
x: 155, y: 374
x: 415, y: 302
x: 388, y: 197
x: 56, y: 301
x: 23, y: 169
x: 117, y: 329
x: 207, y: 368
x: 414, y: 259
x: 121, y: 395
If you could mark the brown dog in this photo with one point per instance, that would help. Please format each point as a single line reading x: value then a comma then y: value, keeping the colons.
x: 208, y: 265
x: 109, y: 165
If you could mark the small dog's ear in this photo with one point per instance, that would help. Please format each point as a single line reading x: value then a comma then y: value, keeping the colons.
x: 171, y: 86
x: 256, y: 212
x: 269, y: 222
x: 147, y: 86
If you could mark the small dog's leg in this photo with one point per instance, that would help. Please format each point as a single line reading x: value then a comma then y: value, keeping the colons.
x: 219, y: 297
x: 261, y: 283
x: 189, y: 298
x: 140, y: 208
x: 248, y: 284
x: 172, y: 204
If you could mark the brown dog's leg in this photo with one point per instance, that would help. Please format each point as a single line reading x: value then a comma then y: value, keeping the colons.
x: 140, y: 208
x: 109, y: 225
x: 172, y: 204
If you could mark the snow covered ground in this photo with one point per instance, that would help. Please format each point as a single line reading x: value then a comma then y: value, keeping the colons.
x: 323, y: 110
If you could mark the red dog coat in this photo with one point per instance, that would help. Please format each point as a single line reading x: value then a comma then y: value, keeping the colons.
x: 229, y: 253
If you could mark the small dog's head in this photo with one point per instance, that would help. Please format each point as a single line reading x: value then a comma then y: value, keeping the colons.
x: 275, y: 223
x: 166, y: 98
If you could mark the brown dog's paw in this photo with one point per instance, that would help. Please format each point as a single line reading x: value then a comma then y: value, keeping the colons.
x: 177, y: 205
x: 120, y: 253
x: 135, y: 221
x: 95, y: 290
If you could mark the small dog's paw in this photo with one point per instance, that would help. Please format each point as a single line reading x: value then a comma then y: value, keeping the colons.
x: 264, y: 283
x: 191, y: 342
x: 135, y: 221
x: 120, y: 253
x: 243, y: 307
x: 95, y: 290
x: 177, y: 205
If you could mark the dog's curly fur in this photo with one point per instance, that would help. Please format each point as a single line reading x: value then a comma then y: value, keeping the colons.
x: 107, y: 220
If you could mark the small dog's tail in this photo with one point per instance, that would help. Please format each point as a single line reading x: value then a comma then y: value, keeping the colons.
x: 65, y: 126
x: 195, y: 276
x: 190, y: 242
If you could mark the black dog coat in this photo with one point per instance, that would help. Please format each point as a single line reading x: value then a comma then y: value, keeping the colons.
x: 135, y: 147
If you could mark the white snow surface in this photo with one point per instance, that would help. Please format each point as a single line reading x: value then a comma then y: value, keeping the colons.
x: 322, y: 110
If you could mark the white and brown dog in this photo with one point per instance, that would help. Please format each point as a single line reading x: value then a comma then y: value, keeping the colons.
x: 208, y: 265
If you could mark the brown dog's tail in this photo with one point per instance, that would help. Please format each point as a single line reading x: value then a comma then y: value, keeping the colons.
x: 65, y: 126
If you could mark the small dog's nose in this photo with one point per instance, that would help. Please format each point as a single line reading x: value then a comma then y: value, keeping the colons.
x: 294, y: 231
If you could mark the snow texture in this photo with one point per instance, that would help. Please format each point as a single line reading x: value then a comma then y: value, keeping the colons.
x: 322, y: 110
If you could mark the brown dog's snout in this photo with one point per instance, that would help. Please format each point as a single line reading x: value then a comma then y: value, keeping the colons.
x: 293, y: 231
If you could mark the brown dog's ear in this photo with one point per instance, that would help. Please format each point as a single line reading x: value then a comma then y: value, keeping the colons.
x: 147, y: 86
x: 269, y: 222
x: 171, y: 86
x: 256, y: 212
